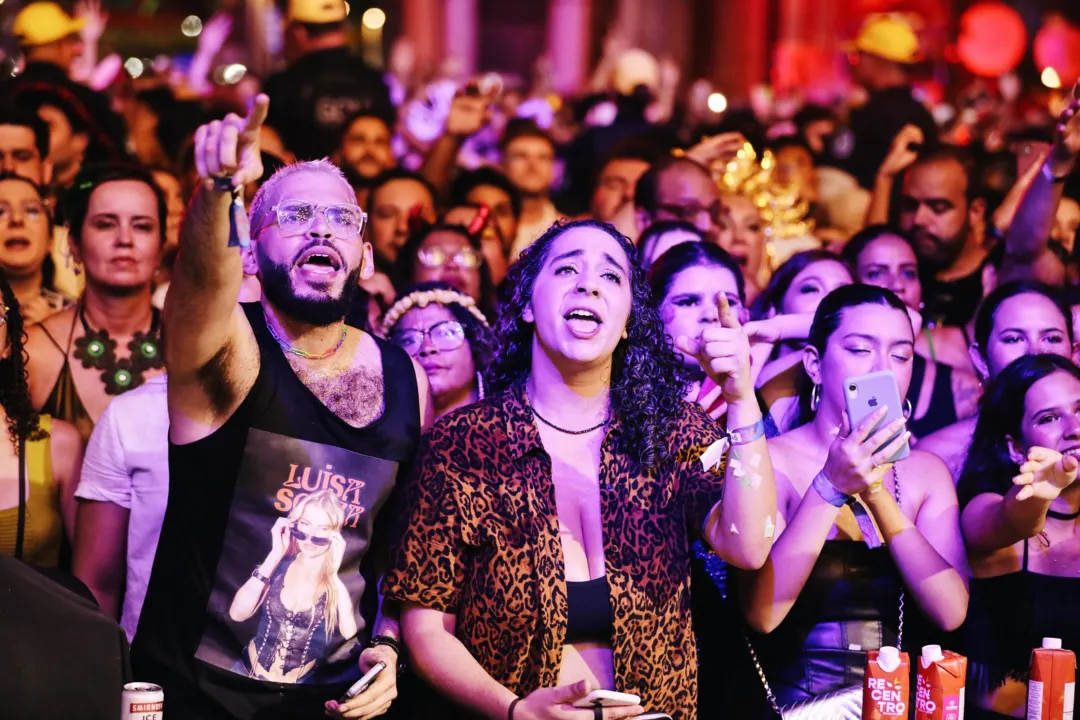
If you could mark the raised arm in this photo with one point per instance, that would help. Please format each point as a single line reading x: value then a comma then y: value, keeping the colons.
x: 993, y: 522
x: 202, y: 321
x: 900, y: 156
x: 1040, y: 189
x: 749, y: 498
x: 470, y: 110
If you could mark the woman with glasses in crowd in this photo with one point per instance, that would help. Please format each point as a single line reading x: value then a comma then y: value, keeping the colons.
x: 40, y: 457
x: 443, y: 329
x: 448, y: 254
x: 854, y: 531
x: 939, y: 395
x: 1020, y: 505
x: 547, y: 547
x: 1016, y: 319
x: 110, y: 341
x: 25, y: 238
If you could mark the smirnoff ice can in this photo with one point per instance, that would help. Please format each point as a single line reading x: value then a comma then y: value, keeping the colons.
x: 142, y: 701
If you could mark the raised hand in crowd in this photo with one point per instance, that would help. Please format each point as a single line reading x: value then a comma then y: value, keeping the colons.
x: 1045, y: 474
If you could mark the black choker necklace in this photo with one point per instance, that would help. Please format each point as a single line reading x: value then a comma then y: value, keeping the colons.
x: 553, y: 426
x: 97, y: 350
x: 1062, y: 516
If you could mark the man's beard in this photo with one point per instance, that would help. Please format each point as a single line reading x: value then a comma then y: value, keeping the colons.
x: 318, y: 311
x: 944, y: 252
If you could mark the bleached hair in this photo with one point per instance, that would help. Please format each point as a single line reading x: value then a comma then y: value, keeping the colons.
x: 260, y: 204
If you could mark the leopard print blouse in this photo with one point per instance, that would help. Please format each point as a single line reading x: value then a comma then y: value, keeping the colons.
x: 481, y: 542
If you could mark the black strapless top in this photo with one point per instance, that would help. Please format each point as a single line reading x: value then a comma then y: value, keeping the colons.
x: 588, y: 607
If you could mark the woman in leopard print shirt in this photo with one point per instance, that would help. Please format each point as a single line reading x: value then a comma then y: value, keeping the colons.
x: 582, y: 468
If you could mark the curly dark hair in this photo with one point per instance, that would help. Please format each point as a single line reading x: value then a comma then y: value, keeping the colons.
x: 647, y: 381
x: 22, y: 419
x: 481, y: 339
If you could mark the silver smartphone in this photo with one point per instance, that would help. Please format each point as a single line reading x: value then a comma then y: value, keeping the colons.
x: 864, y: 394
x: 363, y: 683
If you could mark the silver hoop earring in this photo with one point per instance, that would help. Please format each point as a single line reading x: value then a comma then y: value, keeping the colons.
x: 479, y: 386
x: 815, y: 398
x: 908, y: 410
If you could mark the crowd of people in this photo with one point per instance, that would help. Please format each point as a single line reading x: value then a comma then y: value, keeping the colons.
x: 535, y: 404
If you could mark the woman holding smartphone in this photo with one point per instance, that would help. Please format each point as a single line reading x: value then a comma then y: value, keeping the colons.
x: 853, y: 530
x: 546, y: 552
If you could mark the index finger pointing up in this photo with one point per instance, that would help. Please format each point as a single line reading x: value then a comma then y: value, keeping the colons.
x: 257, y: 115
x: 728, y: 317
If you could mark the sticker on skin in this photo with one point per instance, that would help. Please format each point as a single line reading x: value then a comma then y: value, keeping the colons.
x: 714, y: 454
x: 734, y: 530
x: 770, y: 529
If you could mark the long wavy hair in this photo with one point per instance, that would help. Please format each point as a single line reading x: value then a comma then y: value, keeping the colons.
x: 328, y: 502
x: 647, y: 380
x: 22, y: 419
x: 989, y: 467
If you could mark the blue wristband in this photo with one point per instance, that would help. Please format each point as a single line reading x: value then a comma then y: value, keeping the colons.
x: 748, y: 434
x: 829, y: 492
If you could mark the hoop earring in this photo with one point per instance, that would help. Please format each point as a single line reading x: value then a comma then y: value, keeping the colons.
x: 479, y: 386
x: 908, y: 410
x: 815, y: 398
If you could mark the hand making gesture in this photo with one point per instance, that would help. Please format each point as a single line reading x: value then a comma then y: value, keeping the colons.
x: 230, y: 147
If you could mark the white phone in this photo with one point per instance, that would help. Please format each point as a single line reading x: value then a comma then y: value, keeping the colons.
x: 865, y: 394
x: 607, y: 698
x: 653, y: 716
x: 364, y: 683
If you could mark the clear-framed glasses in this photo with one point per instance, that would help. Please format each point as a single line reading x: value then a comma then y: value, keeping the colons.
x: 437, y: 257
x: 445, y: 336
x: 692, y: 211
x: 346, y: 221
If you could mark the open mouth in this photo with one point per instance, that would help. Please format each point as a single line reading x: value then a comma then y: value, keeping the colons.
x: 320, y: 260
x: 583, y: 323
x: 16, y: 243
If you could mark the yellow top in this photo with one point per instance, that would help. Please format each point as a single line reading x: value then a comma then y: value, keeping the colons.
x: 44, y: 525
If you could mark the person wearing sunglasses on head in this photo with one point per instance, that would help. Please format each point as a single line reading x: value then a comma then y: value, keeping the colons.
x: 445, y: 332
x: 294, y: 427
x: 449, y: 254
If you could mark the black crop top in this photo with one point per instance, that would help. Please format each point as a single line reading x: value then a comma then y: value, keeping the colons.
x: 588, y: 607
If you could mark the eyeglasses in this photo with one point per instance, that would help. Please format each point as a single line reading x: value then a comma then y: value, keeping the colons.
x: 437, y: 257
x: 445, y: 336
x: 313, y: 539
x: 296, y: 216
x: 692, y: 211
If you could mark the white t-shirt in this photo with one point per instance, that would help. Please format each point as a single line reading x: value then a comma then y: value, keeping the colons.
x: 127, y: 464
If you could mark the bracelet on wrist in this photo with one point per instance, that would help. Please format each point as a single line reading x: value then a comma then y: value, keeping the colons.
x: 510, y: 710
x: 748, y: 434
x: 259, y: 576
x: 828, y: 491
x: 386, y: 641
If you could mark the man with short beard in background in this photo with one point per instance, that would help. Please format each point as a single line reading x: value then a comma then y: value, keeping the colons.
x: 943, y: 209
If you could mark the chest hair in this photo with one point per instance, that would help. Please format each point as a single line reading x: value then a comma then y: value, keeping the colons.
x: 353, y: 394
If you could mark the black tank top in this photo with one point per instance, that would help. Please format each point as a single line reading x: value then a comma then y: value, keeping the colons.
x: 1008, y: 616
x: 942, y: 410
x: 282, y: 465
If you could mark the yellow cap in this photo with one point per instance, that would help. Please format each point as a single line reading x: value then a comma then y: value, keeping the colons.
x: 317, y: 11
x: 42, y: 23
x: 888, y: 36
